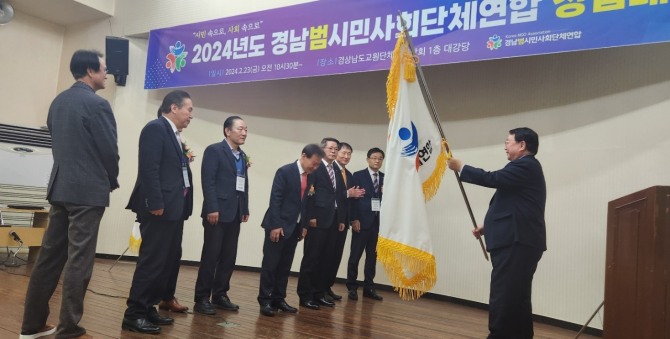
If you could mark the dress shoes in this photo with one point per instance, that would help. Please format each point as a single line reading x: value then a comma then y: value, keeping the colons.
x: 204, y: 307
x: 156, y: 318
x: 139, y: 325
x: 43, y: 332
x: 353, y: 295
x: 172, y: 306
x: 325, y: 302
x: 224, y: 303
x: 372, y: 295
x: 268, y: 310
x: 310, y: 304
x: 333, y: 295
x: 284, y: 307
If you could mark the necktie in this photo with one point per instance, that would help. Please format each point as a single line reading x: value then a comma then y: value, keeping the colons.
x: 303, y: 184
x: 331, y: 174
x: 375, y: 182
x: 344, y: 176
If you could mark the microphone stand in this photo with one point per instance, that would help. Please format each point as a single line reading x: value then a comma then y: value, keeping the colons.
x: 13, y: 255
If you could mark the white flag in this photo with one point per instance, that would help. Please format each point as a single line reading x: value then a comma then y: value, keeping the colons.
x: 414, y: 165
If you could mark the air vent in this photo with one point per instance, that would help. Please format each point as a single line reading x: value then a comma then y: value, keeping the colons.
x: 25, y: 136
x: 23, y: 149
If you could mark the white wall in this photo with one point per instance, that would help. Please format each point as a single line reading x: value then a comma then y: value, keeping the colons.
x: 29, y: 66
x: 601, y: 115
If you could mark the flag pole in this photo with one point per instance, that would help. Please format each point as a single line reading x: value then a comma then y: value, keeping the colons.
x: 436, y: 119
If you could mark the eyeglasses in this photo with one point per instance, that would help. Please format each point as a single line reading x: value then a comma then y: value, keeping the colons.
x: 376, y: 159
x: 331, y: 148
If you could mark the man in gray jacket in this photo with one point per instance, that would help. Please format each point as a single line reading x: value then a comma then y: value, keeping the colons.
x: 85, y: 170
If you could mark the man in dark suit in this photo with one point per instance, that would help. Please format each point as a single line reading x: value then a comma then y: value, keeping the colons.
x: 285, y: 224
x: 85, y: 170
x: 162, y: 199
x: 365, y: 225
x: 327, y: 211
x: 338, y: 235
x: 515, y: 232
x: 225, y: 187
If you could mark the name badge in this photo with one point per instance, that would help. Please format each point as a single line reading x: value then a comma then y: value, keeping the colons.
x: 240, y: 184
x: 376, y: 204
x: 184, y: 172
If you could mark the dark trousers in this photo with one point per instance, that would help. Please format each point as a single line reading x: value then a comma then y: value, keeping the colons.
x: 69, y: 247
x: 217, y: 262
x: 161, y: 246
x: 510, y: 309
x: 337, y: 240
x: 276, y: 266
x: 311, y: 283
x: 363, y: 241
x: 171, y: 286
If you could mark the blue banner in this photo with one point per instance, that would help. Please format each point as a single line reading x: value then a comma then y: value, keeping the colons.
x: 342, y: 36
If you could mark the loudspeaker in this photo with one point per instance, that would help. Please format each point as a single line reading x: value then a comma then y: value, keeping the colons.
x: 116, y: 52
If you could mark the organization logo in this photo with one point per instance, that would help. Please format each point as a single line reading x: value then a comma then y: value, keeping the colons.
x: 494, y: 42
x: 405, y: 134
x: 411, y: 146
x: 176, y: 58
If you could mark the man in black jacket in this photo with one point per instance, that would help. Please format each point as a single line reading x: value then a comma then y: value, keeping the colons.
x: 162, y: 199
x: 515, y: 232
x: 285, y: 224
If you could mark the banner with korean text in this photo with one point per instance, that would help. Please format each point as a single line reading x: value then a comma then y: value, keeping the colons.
x: 345, y: 36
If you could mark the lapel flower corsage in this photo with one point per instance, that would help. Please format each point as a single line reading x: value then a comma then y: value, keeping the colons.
x: 247, y: 160
x: 188, y: 152
x: 311, y: 190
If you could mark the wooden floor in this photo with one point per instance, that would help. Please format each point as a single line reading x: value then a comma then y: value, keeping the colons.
x: 365, y: 318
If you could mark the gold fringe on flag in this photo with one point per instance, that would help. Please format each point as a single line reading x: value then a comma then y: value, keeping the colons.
x: 402, y: 54
x: 399, y: 260
x: 134, y: 244
x: 431, y: 184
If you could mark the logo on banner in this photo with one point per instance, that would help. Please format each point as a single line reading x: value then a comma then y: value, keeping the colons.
x: 176, y: 58
x: 494, y: 42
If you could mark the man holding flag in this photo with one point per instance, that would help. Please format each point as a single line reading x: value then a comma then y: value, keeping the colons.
x: 515, y: 232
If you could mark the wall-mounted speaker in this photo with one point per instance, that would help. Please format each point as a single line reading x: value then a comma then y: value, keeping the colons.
x: 116, y: 53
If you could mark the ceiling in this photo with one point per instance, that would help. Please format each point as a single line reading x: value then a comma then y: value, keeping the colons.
x: 61, y: 12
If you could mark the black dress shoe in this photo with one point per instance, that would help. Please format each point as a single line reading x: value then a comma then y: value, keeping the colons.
x: 284, y: 307
x: 139, y: 325
x: 268, y: 310
x: 325, y: 302
x: 310, y: 304
x: 372, y: 295
x: 223, y: 302
x: 333, y: 295
x: 353, y: 295
x: 156, y: 318
x: 204, y: 307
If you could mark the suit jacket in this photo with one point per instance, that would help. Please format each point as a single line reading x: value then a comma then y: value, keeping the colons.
x: 219, y: 179
x: 286, y: 204
x: 361, y: 209
x: 85, y: 150
x: 322, y: 204
x: 516, y: 211
x: 160, y: 180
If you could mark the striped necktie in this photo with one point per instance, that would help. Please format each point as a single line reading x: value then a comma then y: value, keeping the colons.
x: 375, y: 182
x: 331, y: 174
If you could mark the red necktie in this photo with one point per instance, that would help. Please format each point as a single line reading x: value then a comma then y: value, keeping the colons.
x: 303, y: 184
